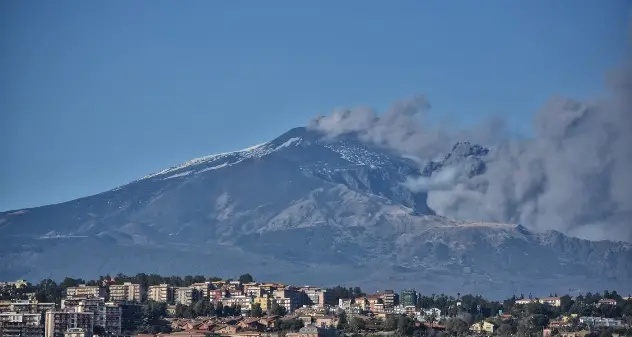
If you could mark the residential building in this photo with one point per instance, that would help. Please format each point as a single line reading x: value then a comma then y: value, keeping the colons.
x: 17, y: 284
x: 483, y: 326
x: 552, y: 301
x: 283, y: 302
x: 234, y: 286
x: 344, y: 304
x: 111, y: 319
x: 263, y: 301
x: 127, y: 292
x: 524, y: 301
x: 57, y: 322
x: 326, y: 322
x: 242, y: 301
x: 317, y: 296
x: 296, y: 298
x: 13, y: 324
x: 32, y: 307
x: 601, y: 322
x: 253, y: 289
x: 374, y: 301
x: 216, y: 295
x: 389, y: 298
x: 131, y: 317
x: 86, y: 291
x: 203, y: 288
x: 106, y: 315
x: 408, y: 298
x: 160, y: 293
x: 185, y: 295
x: 607, y: 301
x: 77, y: 332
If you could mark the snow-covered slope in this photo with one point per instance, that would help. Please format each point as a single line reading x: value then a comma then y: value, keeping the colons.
x: 298, y: 208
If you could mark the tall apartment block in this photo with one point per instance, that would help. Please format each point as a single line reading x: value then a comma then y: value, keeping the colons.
x: 86, y: 291
x: 131, y: 317
x: 106, y: 315
x: 318, y: 297
x: 14, y: 324
x: 290, y: 299
x: 57, y: 322
x: 185, y: 295
x: 203, y: 288
x: 27, y: 307
x: 126, y: 292
x: 408, y: 298
x: 389, y: 298
x: 160, y: 293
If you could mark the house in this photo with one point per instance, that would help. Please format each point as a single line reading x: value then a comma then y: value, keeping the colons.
x: 270, y: 322
x: 524, y: 301
x: 307, y: 320
x: 251, y: 324
x: 607, y: 301
x: 326, y: 322
x: 228, y: 329
x: 483, y: 326
x: 552, y: 301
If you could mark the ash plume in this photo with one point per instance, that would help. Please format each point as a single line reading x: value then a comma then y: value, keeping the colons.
x: 574, y: 175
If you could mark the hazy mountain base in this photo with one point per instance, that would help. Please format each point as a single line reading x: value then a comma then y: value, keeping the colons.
x: 64, y: 256
x: 301, y: 210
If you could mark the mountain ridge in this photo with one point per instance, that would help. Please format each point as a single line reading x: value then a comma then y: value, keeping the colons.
x: 328, y: 210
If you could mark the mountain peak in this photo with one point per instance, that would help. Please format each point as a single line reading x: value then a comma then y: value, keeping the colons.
x: 464, y: 154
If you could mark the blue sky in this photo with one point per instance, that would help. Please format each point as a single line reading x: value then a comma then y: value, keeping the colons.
x: 96, y: 94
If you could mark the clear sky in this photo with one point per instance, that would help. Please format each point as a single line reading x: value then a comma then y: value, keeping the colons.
x: 95, y: 94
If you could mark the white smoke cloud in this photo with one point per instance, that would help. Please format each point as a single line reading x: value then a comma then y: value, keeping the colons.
x: 574, y: 175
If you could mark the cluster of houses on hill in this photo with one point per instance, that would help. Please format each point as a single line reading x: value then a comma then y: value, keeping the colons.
x: 116, y: 309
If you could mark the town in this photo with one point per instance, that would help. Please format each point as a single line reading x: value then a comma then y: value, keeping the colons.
x: 198, y: 306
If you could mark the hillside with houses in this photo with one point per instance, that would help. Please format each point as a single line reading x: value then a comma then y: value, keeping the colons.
x: 198, y: 306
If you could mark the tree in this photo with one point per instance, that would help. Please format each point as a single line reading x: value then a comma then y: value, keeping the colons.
x: 277, y: 310
x: 246, y: 278
x: 356, y: 324
x: 456, y: 327
x: 256, y: 311
x: 293, y: 324
x: 405, y: 325
x: 390, y: 323
x: 504, y: 330
x: 343, y: 324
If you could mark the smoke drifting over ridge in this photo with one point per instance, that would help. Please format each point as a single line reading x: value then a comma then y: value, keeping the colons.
x: 574, y: 175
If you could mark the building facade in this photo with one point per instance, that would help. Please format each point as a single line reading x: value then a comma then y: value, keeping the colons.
x: 408, y: 298
x: 184, y: 295
x: 58, y: 322
x: 126, y: 292
x: 86, y: 291
x: 160, y: 293
x: 14, y: 324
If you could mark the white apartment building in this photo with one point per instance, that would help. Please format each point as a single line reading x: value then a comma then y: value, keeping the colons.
x: 13, y: 324
x: 184, y: 295
x: 86, y: 291
x: 160, y: 293
x: 126, y: 292
x: 106, y: 315
x: 245, y: 302
x: 203, y: 288
x: 57, y: 322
